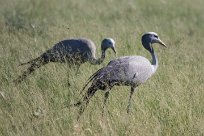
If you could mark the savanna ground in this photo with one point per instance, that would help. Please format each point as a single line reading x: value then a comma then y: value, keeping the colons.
x: 170, y: 103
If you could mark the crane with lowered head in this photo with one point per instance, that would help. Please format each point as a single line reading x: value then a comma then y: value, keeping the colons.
x: 71, y: 51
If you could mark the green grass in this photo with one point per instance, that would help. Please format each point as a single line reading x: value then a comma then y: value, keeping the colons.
x: 170, y: 103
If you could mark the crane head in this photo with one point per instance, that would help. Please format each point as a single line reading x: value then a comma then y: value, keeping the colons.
x: 150, y: 38
x: 108, y: 43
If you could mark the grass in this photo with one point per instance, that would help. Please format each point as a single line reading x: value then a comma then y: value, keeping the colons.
x: 170, y: 103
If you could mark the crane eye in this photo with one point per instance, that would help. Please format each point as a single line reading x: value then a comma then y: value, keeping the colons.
x: 155, y: 36
x: 109, y: 43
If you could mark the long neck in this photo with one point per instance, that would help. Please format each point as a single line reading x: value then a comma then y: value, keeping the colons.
x: 100, y: 60
x: 154, y: 61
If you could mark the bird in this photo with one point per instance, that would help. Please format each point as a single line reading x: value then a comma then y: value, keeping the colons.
x: 74, y: 51
x: 124, y: 71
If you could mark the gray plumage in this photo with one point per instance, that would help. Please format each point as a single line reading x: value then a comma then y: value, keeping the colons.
x: 73, y: 51
x: 129, y: 71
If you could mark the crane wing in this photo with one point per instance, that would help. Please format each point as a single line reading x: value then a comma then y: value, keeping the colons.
x: 124, y: 70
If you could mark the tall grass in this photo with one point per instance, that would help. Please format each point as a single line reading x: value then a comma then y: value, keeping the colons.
x: 170, y: 103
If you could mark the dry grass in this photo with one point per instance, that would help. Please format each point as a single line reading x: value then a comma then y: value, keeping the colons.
x: 170, y: 103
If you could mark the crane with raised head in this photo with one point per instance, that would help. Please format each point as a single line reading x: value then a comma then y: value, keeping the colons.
x: 127, y: 71
x: 73, y: 51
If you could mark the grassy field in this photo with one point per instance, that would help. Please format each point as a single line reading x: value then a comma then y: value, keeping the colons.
x: 170, y: 103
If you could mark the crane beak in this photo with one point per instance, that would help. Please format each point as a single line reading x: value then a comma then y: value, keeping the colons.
x: 161, y: 43
x: 113, y: 49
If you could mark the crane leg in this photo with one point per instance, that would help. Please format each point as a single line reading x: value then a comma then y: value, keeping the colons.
x: 105, y: 101
x: 68, y: 78
x: 77, y: 71
x: 130, y: 98
x: 70, y: 69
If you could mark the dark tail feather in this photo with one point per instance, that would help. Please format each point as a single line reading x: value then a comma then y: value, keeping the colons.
x: 90, y: 92
x: 94, y: 75
x: 85, y: 86
x: 31, y: 61
x: 86, y: 98
x: 36, y: 63
x: 90, y: 79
